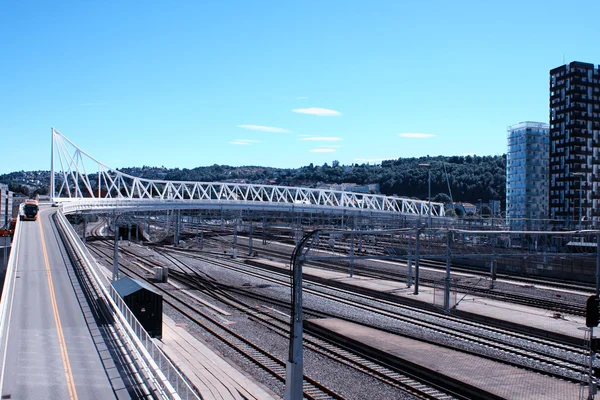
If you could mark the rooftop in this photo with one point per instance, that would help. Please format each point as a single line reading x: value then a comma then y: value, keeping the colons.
x: 528, y: 124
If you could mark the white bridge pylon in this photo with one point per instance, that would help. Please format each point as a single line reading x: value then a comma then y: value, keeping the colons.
x: 77, y: 177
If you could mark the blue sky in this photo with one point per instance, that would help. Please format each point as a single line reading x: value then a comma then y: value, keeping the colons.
x: 278, y: 83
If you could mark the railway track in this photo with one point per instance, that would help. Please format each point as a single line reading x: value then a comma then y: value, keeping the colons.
x: 312, y: 389
x: 374, y: 272
x: 279, y: 323
x: 572, y: 361
x: 370, y: 249
x: 213, y: 233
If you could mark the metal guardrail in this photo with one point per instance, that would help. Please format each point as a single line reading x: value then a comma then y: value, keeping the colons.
x: 125, y: 204
x: 7, y: 299
x: 166, y: 377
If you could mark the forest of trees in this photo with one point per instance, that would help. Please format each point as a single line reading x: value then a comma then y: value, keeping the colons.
x: 470, y: 178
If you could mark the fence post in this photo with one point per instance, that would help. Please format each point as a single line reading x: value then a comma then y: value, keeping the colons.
x: 417, y: 256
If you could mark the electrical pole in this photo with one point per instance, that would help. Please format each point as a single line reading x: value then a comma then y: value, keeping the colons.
x: 428, y: 166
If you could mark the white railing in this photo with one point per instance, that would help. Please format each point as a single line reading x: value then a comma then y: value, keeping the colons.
x: 83, y: 177
x: 165, y: 376
x: 7, y: 298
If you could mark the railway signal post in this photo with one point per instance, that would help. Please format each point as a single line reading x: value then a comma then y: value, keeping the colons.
x: 592, y: 317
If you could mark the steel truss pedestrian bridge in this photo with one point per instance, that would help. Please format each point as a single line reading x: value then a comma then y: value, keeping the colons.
x: 82, y: 183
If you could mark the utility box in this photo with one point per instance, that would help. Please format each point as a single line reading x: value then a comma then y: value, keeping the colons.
x: 161, y: 274
x: 144, y: 302
x: 158, y: 274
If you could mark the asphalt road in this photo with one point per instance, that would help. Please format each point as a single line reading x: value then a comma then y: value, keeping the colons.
x: 51, y: 352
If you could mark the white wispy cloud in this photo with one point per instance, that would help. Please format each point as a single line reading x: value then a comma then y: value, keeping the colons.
x: 323, y: 150
x: 263, y: 128
x: 322, y: 112
x: 417, y: 135
x: 373, y: 160
x: 244, y: 142
x: 301, y: 98
x: 322, y: 138
x: 92, y: 104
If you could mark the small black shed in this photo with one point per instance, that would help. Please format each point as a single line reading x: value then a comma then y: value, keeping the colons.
x: 144, y: 302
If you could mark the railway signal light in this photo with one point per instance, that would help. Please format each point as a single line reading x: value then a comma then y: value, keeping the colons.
x: 592, y: 311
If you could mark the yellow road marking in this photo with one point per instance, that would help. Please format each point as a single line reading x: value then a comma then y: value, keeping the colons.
x: 61, y: 337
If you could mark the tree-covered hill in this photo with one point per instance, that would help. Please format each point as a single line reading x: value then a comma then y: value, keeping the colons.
x: 470, y: 178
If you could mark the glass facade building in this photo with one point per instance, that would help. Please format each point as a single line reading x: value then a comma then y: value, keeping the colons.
x: 575, y: 144
x: 527, y: 175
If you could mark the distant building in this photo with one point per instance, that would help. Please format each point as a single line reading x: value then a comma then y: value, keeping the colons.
x: 575, y: 143
x: 527, y: 175
x: 470, y: 209
x: 353, y: 187
x: 495, y: 207
x: 6, y: 204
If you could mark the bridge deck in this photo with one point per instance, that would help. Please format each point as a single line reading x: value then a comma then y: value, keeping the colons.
x: 55, y: 349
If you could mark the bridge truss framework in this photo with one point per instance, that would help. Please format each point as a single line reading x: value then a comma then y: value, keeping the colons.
x: 78, y: 177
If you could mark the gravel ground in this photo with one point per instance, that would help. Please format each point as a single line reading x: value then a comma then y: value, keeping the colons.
x: 399, y: 271
x: 346, y: 381
x: 450, y: 340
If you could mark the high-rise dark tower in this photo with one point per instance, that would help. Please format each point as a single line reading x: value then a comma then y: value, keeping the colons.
x: 574, y: 144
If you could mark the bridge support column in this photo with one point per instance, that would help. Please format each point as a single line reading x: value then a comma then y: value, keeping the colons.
x: 264, y: 231
x: 85, y: 223
x: 493, y: 267
x: 352, y: 249
x: 447, y: 279
x: 250, y: 238
x: 168, y: 221
x: 177, y: 224
x: 360, y: 249
x: 297, y: 228
x: 409, y: 262
x: 235, y: 231
x: 235, y: 235
x: 115, y: 274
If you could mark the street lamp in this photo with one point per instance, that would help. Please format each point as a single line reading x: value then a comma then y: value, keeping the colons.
x: 428, y: 166
x: 580, y: 175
